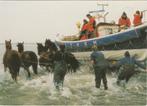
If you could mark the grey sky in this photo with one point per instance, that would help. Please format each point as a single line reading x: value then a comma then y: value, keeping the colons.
x: 34, y: 21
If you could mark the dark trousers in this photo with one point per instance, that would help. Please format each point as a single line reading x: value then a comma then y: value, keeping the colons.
x: 90, y: 34
x: 59, y: 74
x: 100, y: 74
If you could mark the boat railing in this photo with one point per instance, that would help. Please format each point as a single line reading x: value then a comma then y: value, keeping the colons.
x: 144, y: 16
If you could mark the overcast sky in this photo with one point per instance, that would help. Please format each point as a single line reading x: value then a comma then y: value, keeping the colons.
x: 34, y: 21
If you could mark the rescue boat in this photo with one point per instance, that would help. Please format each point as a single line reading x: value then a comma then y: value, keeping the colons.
x: 111, y: 38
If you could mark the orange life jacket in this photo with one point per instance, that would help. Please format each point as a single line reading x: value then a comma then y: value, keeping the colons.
x: 125, y: 22
x: 84, y: 27
x: 92, y: 22
x: 90, y: 27
x: 137, y: 19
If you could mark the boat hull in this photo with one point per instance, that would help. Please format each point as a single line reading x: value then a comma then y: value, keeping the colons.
x: 133, y: 38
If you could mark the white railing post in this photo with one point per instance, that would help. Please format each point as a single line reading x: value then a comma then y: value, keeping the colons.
x: 144, y: 16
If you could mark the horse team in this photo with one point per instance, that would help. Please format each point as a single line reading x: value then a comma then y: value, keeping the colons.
x: 14, y: 59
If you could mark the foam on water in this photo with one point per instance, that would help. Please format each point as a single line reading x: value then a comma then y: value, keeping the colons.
x: 79, y: 89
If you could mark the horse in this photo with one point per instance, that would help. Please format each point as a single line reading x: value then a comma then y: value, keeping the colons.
x: 51, y: 45
x: 45, y: 57
x: 71, y: 61
x: 61, y: 61
x: 41, y: 48
x: 11, y: 60
x: 28, y: 58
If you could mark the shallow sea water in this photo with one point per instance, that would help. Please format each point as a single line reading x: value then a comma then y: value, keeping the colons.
x: 79, y: 88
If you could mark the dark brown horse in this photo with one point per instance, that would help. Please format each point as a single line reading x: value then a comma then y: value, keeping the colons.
x: 11, y: 60
x: 50, y: 45
x: 28, y: 58
x: 72, y: 63
x: 45, y: 57
x: 61, y: 60
x: 41, y: 48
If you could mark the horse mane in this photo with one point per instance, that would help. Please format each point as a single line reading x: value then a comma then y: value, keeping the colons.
x: 72, y: 61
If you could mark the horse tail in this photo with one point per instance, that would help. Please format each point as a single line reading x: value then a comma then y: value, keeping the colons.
x: 34, y: 62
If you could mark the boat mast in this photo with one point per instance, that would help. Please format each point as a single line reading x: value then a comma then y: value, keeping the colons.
x: 99, y: 12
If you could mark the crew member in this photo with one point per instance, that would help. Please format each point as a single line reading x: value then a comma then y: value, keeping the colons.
x: 59, y: 67
x: 124, y: 21
x: 84, y: 29
x: 137, y: 18
x: 91, y: 25
x: 127, y: 67
x: 100, y: 66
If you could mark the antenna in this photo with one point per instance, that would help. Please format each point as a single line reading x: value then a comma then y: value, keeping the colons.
x: 103, y: 6
x: 102, y: 10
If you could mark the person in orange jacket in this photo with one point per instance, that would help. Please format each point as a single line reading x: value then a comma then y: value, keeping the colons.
x: 124, y: 21
x: 137, y: 18
x: 84, y: 29
x: 91, y: 25
x: 91, y: 20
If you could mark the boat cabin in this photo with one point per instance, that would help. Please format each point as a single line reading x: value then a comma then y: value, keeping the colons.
x: 103, y: 29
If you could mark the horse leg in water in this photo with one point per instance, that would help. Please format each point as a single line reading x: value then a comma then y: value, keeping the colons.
x: 48, y: 68
x: 34, y: 66
x: 13, y: 74
x: 27, y: 69
x: 129, y: 74
x: 4, y: 62
x: 120, y: 78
